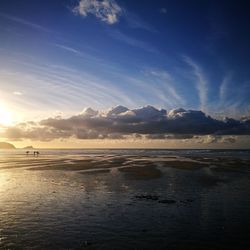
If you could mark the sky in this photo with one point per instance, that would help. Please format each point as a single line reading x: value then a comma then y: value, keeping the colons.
x: 113, y: 73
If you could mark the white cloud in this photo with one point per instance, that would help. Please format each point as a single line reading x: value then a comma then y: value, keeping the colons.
x: 149, y: 113
x: 118, y: 110
x: 106, y: 10
x: 224, y: 87
x: 211, y: 139
x: 136, y: 22
x: 89, y: 112
x: 202, y: 85
x: 168, y: 81
x: 25, y: 22
x: 17, y: 93
x: 67, y: 48
x: 58, y: 87
x: 121, y: 122
x: 132, y: 41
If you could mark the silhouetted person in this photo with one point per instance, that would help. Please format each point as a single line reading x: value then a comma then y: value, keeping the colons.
x: 27, y: 152
x: 36, y: 153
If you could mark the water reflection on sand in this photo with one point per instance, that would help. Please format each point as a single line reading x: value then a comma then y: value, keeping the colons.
x: 123, y: 201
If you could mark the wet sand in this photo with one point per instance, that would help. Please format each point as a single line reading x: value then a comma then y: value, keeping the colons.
x: 116, y: 201
x: 109, y: 162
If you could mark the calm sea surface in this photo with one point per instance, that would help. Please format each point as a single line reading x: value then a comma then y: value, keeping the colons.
x: 125, y: 199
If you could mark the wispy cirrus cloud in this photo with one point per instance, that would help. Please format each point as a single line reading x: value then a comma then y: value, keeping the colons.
x: 67, y: 48
x: 136, y: 22
x: 201, y: 81
x: 168, y: 83
x: 62, y: 87
x: 107, y: 11
x: 223, y: 91
x: 25, y: 22
x: 118, y: 35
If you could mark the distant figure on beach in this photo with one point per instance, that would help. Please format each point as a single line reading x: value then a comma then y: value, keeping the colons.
x: 27, y: 152
x: 36, y: 153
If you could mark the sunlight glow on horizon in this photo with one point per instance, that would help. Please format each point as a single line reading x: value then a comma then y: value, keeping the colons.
x: 6, y: 116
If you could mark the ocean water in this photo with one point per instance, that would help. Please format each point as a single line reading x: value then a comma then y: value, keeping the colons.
x: 140, y: 152
x: 125, y: 199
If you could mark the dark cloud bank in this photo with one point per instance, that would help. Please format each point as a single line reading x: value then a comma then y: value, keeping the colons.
x: 120, y: 122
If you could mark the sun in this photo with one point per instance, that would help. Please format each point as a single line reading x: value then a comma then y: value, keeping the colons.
x: 5, y: 115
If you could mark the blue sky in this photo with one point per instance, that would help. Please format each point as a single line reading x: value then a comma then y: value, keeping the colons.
x: 170, y: 54
x: 59, y: 57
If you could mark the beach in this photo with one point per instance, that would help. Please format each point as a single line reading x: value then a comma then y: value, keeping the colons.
x: 125, y: 199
